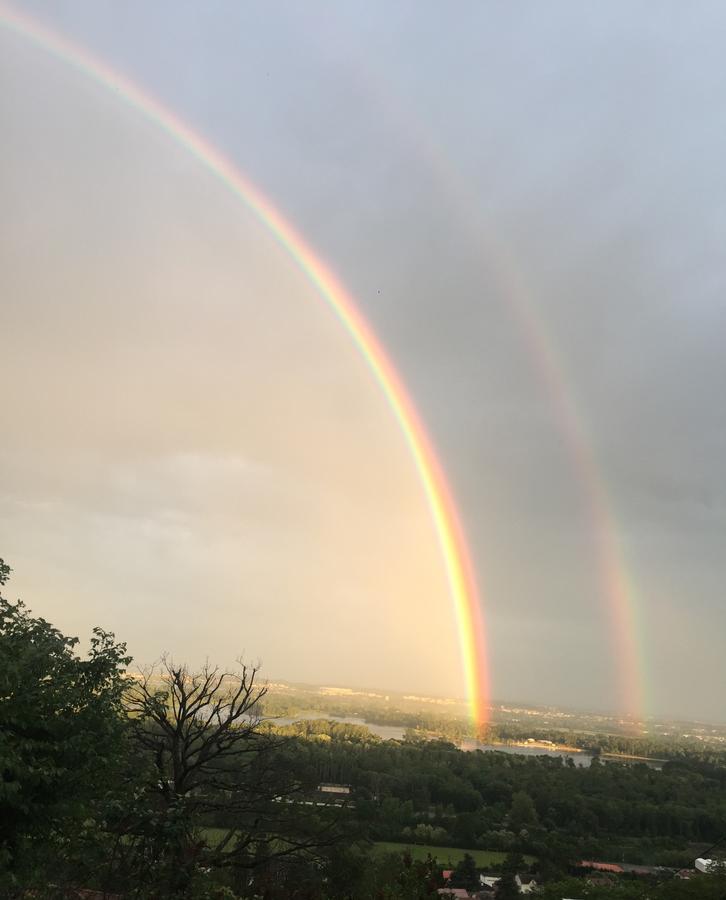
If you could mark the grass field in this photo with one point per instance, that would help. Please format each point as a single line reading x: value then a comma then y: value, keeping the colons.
x: 213, y: 835
x: 445, y: 855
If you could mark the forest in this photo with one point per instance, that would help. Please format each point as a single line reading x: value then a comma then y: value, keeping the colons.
x: 534, y: 804
x: 617, y: 740
x: 171, y: 783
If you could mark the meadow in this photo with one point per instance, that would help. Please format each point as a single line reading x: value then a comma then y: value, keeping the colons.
x: 446, y: 855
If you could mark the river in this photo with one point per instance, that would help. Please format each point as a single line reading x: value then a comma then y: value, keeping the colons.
x: 396, y: 732
x: 387, y: 732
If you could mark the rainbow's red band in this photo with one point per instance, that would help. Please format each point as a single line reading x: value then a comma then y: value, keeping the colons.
x: 457, y: 560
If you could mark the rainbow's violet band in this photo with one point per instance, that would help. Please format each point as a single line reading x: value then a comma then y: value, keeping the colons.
x: 456, y: 556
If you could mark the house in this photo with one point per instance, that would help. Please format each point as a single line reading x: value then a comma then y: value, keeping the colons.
x: 327, y: 788
x: 459, y: 893
x: 685, y: 874
x: 710, y: 865
x: 526, y: 884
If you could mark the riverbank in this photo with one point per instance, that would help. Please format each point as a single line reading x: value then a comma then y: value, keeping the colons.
x: 545, y: 745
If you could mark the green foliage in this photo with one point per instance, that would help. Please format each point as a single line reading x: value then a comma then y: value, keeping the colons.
x: 507, y: 888
x: 447, y: 856
x: 424, y: 834
x: 172, y: 786
x: 216, y: 799
x: 409, y: 879
x: 326, y: 729
x: 701, y: 887
x: 61, y: 737
x: 466, y: 874
x: 577, y: 887
x: 608, y: 811
x: 522, y: 814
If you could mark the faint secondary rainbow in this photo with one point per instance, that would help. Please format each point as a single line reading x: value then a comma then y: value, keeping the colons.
x: 615, y: 579
x: 449, y: 531
x: 614, y: 575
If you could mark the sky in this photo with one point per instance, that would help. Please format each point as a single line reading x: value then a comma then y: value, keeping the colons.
x: 528, y: 203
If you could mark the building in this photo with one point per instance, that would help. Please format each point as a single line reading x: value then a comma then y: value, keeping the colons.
x: 328, y: 788
x: 710, y: 865
x: 613, y: 868
x: 526, y: 884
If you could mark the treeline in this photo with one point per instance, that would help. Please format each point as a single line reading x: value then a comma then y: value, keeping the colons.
x: 424, y: 721
x: 431, y: 792
x: 162, y: 785
x: 434, y: 723
x: 635, y: 745
x: 172, y: 784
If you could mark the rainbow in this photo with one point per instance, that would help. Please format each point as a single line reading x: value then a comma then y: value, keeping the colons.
x: 614, y: 576
x: 614, y: 573
x: 456, y: 556
x: 616, y: 583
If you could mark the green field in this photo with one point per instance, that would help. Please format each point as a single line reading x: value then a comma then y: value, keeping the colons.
x: 213, y: 835
x: 446, y: 855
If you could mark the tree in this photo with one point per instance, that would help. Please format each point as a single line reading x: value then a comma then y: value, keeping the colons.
x: 507, y: 888
x: 466, y: 874
x: 513, y: 862
x: 211, y: 764
x: 61, y: 744
x: 411, y: 879
x: 522, y: 813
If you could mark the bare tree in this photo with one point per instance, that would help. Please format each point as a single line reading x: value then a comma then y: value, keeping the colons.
x: 214, y: 792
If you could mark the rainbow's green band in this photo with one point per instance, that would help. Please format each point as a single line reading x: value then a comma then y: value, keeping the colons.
x: 451, y: 538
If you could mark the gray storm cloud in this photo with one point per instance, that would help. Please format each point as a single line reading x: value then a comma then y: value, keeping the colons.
x: 408, y: 144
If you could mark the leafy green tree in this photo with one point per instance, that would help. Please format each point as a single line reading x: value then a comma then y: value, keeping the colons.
x: 579, y: 887
x: 702, y: 887
x: 61, y: 746
x: 513, y: 862
x: 411, y: 879
x: 466, y: 874
x: 522, y: 813
x: 507, y: 888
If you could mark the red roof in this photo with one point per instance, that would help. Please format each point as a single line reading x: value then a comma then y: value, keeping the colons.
x: 601, y: 867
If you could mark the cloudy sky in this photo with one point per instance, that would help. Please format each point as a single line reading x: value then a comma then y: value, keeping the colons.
x: 528, y: 203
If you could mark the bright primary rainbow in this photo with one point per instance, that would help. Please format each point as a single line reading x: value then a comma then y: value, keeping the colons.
x: 456, y: 556
x: 614, y: 576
